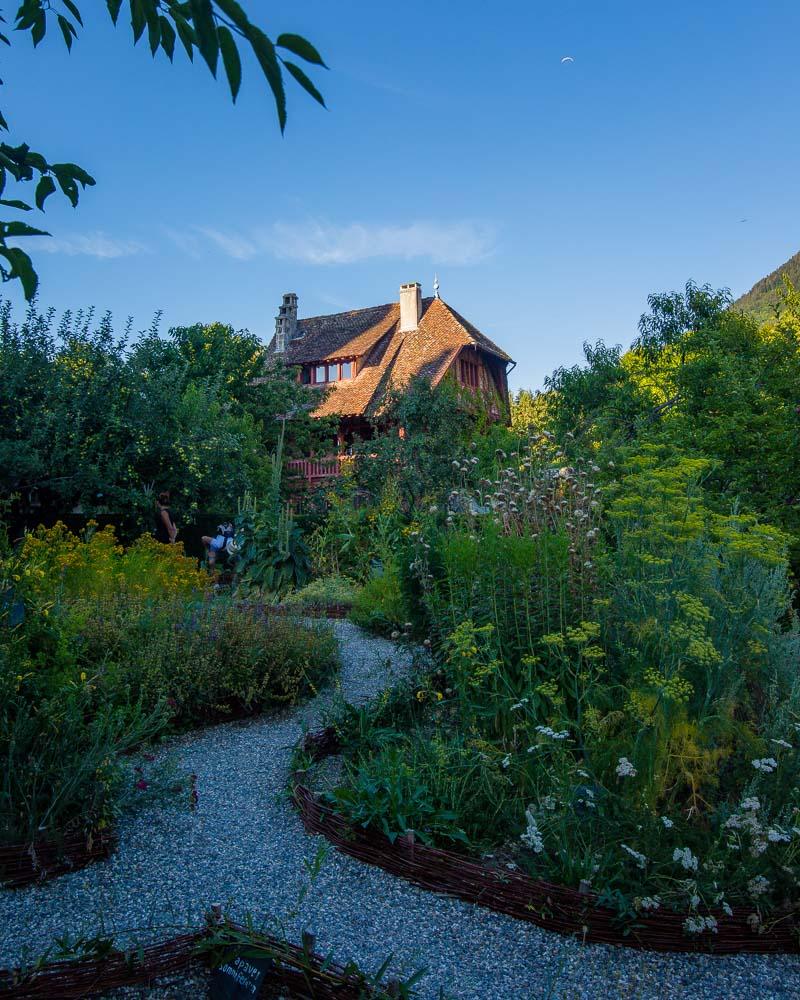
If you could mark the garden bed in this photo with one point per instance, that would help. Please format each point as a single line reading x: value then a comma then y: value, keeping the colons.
x: 552, y: 907
x: 21, y: 864
x: 298, y: 971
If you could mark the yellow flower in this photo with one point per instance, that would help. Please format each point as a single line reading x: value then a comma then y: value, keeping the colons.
x: 83, y: 675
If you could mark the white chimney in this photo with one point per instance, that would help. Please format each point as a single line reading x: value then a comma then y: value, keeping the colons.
x: 286, y: 323
x: 410, y: 306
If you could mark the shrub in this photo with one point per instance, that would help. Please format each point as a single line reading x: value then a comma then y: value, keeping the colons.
x: 620, y: 687
x: 208, y: 661
x: 60, y: 736
x: 54, y: 564
x: 84, y: 679
x: 379, y: 605
x: 326, y: 590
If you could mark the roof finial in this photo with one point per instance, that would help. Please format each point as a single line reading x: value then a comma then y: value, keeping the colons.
x: 436, y: 286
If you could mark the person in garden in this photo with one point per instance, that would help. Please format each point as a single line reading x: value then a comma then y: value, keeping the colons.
x: 166, y: 531
x: 220, y: 541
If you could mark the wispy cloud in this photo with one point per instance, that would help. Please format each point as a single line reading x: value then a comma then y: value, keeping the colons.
x: 232, y: 244
x: 445, y: 243
x: 97, y: 244
x: 314, y: 242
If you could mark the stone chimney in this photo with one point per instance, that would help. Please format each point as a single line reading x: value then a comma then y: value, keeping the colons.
x: 286, y: 323
x: 410, y: 306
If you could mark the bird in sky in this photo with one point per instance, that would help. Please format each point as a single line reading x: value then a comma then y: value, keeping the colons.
x: 567, y: 59
x: 742, y: 220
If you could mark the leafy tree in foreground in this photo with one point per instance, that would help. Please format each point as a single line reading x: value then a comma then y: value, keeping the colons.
x: 421, y: 431
x: 88, y: 418
x: 213, y: 28
x: 704, y: 379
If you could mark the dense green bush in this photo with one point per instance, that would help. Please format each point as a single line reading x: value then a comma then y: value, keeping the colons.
x: 620, y: 702
x: 85, y: 679
x: 204, y: 660
x: 379, y: 605
x: 89, y: 416
x: 324, y: 591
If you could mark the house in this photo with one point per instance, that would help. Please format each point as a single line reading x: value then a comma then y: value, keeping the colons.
x: 360, y: 354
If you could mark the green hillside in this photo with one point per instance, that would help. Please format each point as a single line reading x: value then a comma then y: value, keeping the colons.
x: 763, y: 296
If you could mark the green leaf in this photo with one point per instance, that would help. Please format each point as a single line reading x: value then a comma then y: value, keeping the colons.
x: 38, y: 30
x: 67, y: 184
x: 114, y: 8
x: 138, y: 20
x: 20, y: 229
x: 22, y: 268
x: 72, y: 8
x: 14, y: 203
x: 265, y: 53
x: 301, y: 47
x: 73, y: 170
x: 44, y: 189
x: 234, y: 11
x: 206, y: 30
x: 187, y: 36
x: 167, y: 38
x: 304, y: 81
x: 230, y: 59
x: 67, y: 30
x: 153, y: 29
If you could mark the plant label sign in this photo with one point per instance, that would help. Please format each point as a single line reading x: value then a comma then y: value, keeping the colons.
x: 239, y: 977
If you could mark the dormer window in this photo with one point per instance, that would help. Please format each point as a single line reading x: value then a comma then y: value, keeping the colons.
x: 336, y: 371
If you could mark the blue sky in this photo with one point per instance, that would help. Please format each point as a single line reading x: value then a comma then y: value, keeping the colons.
x: 550, y: 198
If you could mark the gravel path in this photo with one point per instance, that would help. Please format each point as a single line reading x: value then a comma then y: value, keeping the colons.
x: 245, y: 846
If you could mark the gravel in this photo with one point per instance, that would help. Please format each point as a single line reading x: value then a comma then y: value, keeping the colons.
x: 245, y: 847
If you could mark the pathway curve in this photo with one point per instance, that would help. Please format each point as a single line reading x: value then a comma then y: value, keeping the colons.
x: 245, y: 845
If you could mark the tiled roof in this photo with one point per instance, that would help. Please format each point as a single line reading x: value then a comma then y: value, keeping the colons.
x: 388, y: 356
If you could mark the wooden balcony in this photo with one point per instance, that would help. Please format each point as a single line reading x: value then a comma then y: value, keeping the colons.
x: 316, y: 471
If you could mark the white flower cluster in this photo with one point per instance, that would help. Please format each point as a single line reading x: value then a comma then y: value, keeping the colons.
x: 758, y: 885
x: 625, y: 769
x: 547, y: 731
x: 668, y: 824
x: 519, y: 704
x: 533, y: 835
x: 506, y: 761
x: 640, y: 859
x: 765, y: 764
x: 777, y: 836
x: 698, y: 925
x: 686, y: 858
x: 782, y: 743
x: 649, y: 902
x: 747, y: 821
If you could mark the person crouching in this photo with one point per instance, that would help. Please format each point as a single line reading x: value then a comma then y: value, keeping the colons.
x: 217, y: 543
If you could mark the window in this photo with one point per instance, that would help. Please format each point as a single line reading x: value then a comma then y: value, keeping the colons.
x: 470, y: 374
x: 322, y: 374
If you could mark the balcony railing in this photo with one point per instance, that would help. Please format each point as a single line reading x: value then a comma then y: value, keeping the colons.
x: 315, y: 471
